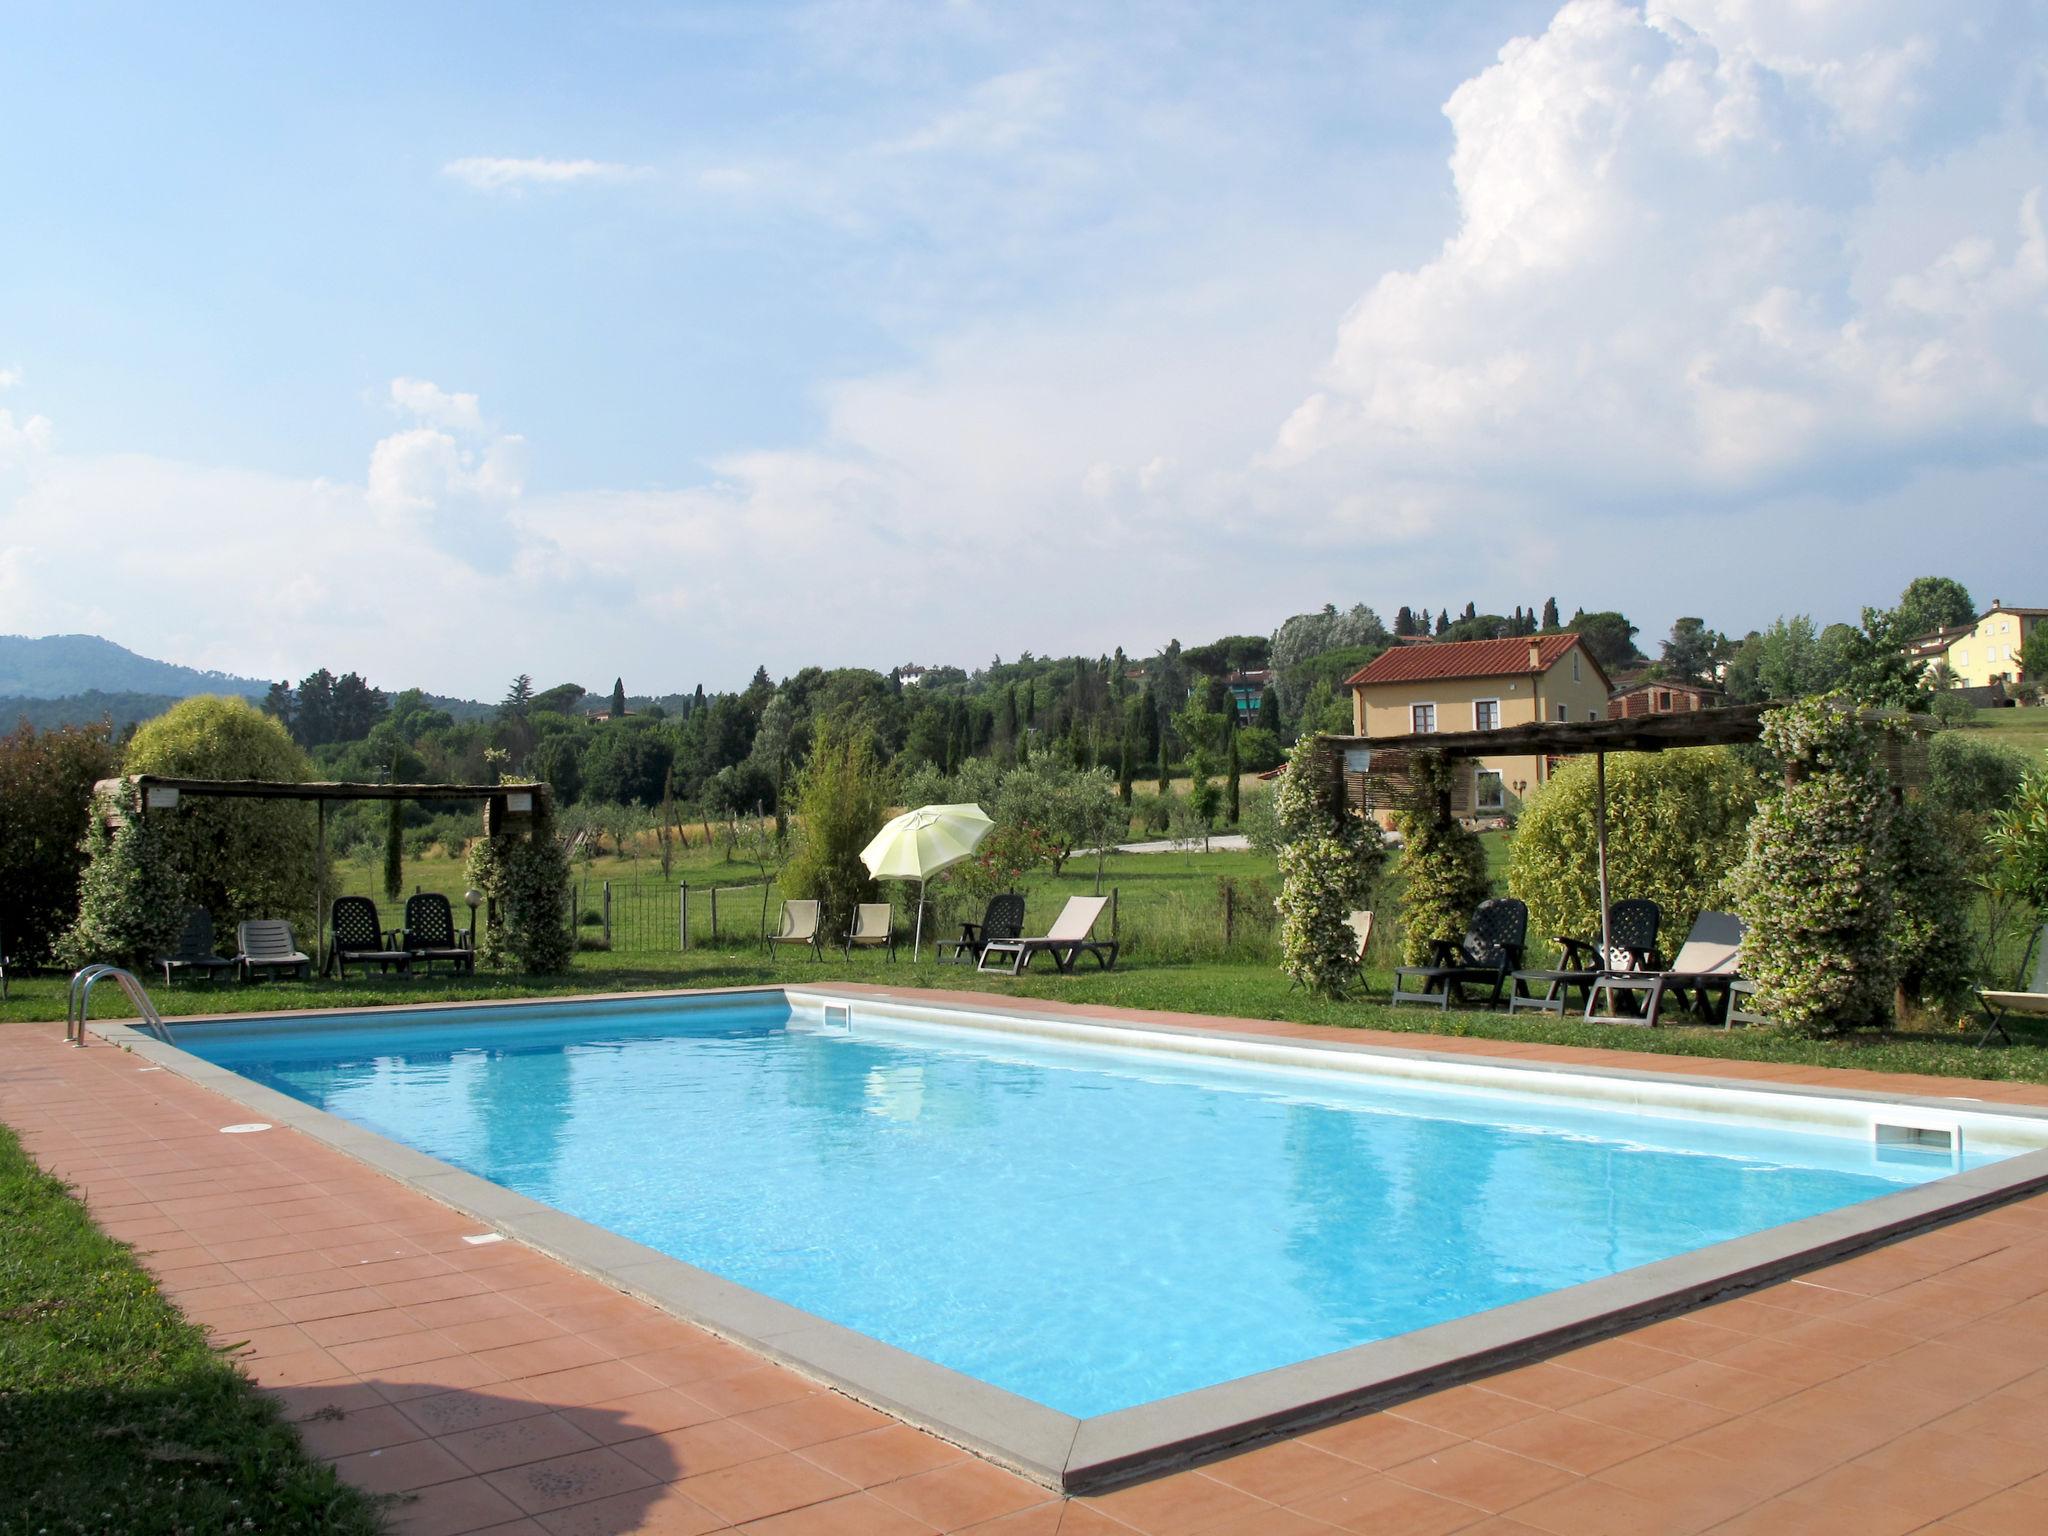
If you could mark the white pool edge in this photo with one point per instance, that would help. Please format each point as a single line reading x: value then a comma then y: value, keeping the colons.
x: 1074, y: 1455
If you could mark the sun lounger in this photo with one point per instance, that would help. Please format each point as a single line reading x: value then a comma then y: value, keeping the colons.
x: 430, y: 933
x: 1702, y: 974
x: 266, y: 944
x: 1066, y: 941
x: 799, y: 926
x: 1360, y: 924
x: 1002, y: 919
x: 874, y: 927
x: 194, y: 950
x: 1631, y: 926
x: 360, y: 939
x: 2032, y: 1004
x: 1486, y: 956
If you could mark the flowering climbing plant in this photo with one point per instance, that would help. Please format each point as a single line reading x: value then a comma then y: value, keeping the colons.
x: 1328, y: 868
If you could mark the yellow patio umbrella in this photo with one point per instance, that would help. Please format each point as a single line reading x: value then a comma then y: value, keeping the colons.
x: 920, y: 843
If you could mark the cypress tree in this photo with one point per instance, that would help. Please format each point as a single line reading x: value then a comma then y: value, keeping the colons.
x: 618, y: 698
x: 1165, y: 783
x: 1269, y: 709
x: 394, y: 851
x: 1235, y: 770
x: 1123, y: 767
x: 1550, y: 613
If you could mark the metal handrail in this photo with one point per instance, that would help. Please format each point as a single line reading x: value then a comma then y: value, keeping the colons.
x: 78, y: 1006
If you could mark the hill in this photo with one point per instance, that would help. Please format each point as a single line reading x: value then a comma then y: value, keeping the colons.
x: 88, y: 708
x: 64, y: 666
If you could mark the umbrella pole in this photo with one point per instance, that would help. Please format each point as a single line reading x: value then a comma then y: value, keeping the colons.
x: 1600, y: 834
x: 917, y: 943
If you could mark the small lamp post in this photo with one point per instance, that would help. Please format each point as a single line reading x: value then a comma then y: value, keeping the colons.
x: 475, y: 898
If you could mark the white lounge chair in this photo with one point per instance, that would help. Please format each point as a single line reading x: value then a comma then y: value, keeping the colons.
x: 1066, y: 941
x: 266, y: 944
x: 2031, y: 1004
x: 799, y: 926
x: 874, y: 927
x: 1707, y: 964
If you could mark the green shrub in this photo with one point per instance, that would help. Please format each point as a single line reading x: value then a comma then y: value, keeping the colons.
x: 241, y: 858
x: 1677, y: 824
x: 132, y: 898
x: 1442, y: 866
x: 2019, y: 843
x: 1932, y: 899
x: 46, y: 781
x: 841, y: 802
x: 1971, y: 776
x: 1816, y: 889
x: 1327, y: 870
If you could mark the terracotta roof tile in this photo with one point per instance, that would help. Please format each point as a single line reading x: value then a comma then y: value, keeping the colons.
x: 1465, y: 658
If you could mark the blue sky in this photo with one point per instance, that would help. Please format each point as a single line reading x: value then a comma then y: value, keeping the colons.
x: 448, y: 342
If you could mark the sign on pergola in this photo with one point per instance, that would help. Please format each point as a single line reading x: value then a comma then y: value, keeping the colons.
x: 507, y: 808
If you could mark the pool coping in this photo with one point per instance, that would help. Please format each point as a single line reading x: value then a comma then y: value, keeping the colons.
x: 1075, y: 1455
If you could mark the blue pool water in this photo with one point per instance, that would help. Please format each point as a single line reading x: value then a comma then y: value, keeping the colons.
x: 1090, y: 1228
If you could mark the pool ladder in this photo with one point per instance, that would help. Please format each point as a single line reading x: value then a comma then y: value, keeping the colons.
x: 78, y: 1007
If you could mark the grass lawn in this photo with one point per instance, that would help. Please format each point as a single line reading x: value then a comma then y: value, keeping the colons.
x: 116, y: 1416
x: 2026, y: 729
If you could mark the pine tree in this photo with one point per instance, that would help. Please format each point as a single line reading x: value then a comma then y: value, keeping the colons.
x: 1550, y: 613
x: 1443, y: 620
x: 618, y: 698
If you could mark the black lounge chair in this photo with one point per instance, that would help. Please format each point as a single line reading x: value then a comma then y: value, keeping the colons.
x: 359, y: 938
x: 266, y: 944
x: 430, y: 933
x: 1631, y: 925
x: 1003, y: 919
x: 194, y: 950
x: 1489, y: 953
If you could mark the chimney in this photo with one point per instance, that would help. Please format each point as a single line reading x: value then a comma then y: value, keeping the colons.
x: 1535, y: 657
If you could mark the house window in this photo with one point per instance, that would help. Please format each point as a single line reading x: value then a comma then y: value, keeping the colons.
x: 1492, y: 791
x: 1963, y: 657
x: 1575, y: 666
x: 1563, y: 712
x: 1422, y: 718
x: 1486, y: 715
x: 1663, y: 699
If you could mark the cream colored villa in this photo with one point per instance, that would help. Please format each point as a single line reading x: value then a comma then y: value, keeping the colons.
x: 1481, y: 685
x: 1989, y: 651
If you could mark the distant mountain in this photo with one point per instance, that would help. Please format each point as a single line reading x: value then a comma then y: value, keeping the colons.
x: 90, y: 708
x: 63, y: 666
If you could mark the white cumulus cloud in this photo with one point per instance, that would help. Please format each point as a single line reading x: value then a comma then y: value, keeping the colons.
x: 503, y: 173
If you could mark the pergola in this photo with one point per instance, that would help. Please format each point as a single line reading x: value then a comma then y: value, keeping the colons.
x: 504, y: 805
x: 1367, y: 758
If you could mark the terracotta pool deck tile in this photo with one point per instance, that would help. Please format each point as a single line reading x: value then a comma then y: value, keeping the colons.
x: 1895, y: 1480
x: 651, y: 1511
x: 862, y: 1514
x: 1548, y: 1384
x: 1589, y: 1507
x: 647, y: 1334
x: 1649, y: 1413
x: 702, y: 1359
x: 1624, y: 1359
x: 1287, y: 1471
x: 401, y: 1467
x: 448, y: 1285
x: 343, y: 1433
x: 541, y: 1356
x: 897, y: 1451
x: 1720, y: 1386
x: 1380, y: 1440
x: 960, y: 1493
x: 706, y: 1447
x: 754, y: 1490
x: 370, y: 1356
x: 355, y: 1327
x: 620, y: 1419
x: 516, y: 1441
x: 2011, y: 1513
x: 583, y: 1384
x: 1386, y: 1506
x: 1579, y: 1446
x: 450, y: 1310
x: 453, y: 1509
x: 1492, y: 1479
x: 1273, y: 1521
x: 449, y: 1413
x: 1468, y: 1410
x: 451, y: 1373
x: 501, y: 1330
x: 813, y: 1419
x: 747, y: 1391
x: 298, y: 1368
x: 539, y: 1486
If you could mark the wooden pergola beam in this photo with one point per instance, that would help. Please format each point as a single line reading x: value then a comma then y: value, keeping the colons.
x: 280, y: 789
x: 1723, y: 727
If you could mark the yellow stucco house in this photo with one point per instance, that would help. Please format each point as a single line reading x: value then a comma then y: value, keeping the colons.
x: 1481, y: 685
x: 1989, y: 651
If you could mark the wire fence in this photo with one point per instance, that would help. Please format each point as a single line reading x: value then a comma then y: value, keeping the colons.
x: 651, y: 915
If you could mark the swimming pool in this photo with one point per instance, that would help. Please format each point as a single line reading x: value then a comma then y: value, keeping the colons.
x: 1112, y: 1226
